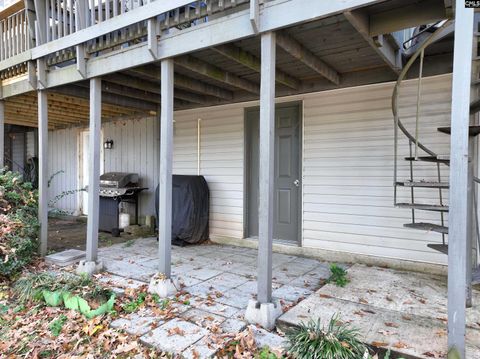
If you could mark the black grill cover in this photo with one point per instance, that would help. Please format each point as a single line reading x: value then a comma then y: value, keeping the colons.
x: 190, y: 208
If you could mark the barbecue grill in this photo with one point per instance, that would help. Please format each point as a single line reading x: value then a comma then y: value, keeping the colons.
x: 116, y: 188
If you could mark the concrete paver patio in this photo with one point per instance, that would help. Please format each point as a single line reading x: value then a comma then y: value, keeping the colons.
x: 220, y: 281
x: 404, y: 311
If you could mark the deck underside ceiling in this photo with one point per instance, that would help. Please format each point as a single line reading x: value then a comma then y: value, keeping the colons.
x: 324, y: 54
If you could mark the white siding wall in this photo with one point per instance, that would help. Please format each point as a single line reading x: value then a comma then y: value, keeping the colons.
x: 348, y: 169
x: 63, y: 156
x: 347, y: 165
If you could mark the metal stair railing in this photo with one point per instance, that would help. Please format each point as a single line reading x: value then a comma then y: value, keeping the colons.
x: 414, y: 139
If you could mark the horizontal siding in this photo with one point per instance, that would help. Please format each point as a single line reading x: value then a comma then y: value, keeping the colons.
x: 63, y: 159
x: 221, y: 162
x: 347, y: 153
x: 348, y: 169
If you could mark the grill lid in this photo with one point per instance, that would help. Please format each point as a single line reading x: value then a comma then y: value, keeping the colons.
x: 118, y: 179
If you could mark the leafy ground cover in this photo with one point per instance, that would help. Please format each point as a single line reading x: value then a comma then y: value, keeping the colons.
x: 33, y: 327
x: 18, y: 223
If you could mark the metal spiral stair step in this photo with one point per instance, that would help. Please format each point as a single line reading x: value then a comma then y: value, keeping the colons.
x: 423, y: 184
x: 423, y: 226
x: 443, y: 248
x: 423, y: 207
x: 437, y: 159
x: 472, y: 130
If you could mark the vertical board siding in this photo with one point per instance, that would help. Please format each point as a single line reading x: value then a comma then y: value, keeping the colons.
x: 63, y: 158
x: 135, y: 149
x: 18, y: 152
x: 30, y: 145
x: 348, y: 169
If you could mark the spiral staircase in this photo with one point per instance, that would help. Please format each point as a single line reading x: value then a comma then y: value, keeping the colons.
x: 419, y: 152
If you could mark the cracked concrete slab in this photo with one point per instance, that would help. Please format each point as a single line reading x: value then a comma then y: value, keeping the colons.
x: 403, y: 311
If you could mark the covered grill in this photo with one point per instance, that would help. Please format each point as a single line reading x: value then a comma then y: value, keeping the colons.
x: 115, y: 188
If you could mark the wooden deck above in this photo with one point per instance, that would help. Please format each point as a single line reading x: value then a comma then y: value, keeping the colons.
x: 320, y: 46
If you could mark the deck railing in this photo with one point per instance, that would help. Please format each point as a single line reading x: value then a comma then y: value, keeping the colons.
x: 14, y: 35
x: 61, y: 19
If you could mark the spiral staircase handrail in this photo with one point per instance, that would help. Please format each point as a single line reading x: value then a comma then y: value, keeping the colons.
x: 396, y: 90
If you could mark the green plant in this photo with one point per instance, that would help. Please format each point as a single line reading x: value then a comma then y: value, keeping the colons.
x: 338, y: 276
x: 129, y: 243
x: 51, y: 203
x: 266, y: 353
x: 18, y: 223
x: 57, y: 325
x: 133, y: 305
x: 335, y: 341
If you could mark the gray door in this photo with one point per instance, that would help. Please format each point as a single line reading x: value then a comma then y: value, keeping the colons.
x: 287, y: 172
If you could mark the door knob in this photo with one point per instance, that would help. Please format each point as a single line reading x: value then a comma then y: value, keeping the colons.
x: 296, y: 182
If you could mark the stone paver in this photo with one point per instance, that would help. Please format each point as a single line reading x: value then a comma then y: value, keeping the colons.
x: 202, y: 318
x: 264, y: 338
x: 174, y: 336
x: 290, y: 293
x: 118, y: 284
x: 137, y: 323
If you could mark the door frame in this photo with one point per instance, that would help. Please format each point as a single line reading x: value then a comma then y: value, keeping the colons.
x: 246, y: 169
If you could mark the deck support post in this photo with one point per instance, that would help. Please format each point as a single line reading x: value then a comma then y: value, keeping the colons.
x: 43, y: 170
x: 2, y: 134
x: 458, y: 215
x: 91, y: 265
x: 264, y: 311
x: 162, y: 283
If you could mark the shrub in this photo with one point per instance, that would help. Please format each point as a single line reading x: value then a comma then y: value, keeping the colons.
x: 18, y: 223
x: 336, y: 341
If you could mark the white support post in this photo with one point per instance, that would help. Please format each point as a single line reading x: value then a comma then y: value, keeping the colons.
x: 2, y: 134
x: 266, y: 172
x: 458, y: 215
x: 166, y: 155
x: 162, y: 284
x: 43, y: 170
x: 263, y: 311
x: 91, y: 264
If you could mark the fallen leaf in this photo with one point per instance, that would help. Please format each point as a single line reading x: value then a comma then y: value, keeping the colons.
x: 391, y: 325
x: 379, y: 344
x: 321, y: 295
x: 176, y: 331
x: 400, y: 345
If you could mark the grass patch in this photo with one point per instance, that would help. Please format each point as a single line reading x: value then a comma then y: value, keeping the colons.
x: 338, y: 276
x: 334, y: 341
x: 30, y: 286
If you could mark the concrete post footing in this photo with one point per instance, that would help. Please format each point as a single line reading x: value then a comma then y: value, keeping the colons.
x: 163, y: 287
x: 89, y: 267
x: 263, y: 314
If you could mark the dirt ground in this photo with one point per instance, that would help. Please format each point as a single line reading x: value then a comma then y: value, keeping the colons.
x: 71, y: 234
